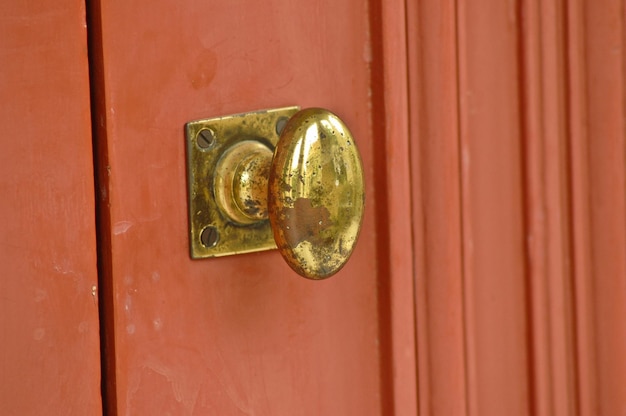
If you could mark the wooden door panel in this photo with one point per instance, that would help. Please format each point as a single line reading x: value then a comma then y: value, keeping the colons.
x: 499, y: 137
x: 601, y: 61
x: 240, y: 334
x: 49, y: 332
x: 492, y: 210
x: 436, y: 192
x: 518, y: 159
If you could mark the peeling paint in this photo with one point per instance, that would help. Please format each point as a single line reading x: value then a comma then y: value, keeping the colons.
x: 121, y: 227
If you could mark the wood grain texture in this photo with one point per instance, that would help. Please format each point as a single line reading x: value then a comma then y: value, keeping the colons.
x: 244, y: 334
x: 49, y: 352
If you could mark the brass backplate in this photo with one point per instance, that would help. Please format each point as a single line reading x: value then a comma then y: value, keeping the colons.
x: 211, y: 232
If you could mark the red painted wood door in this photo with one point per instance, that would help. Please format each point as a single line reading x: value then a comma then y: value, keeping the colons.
x: 518, y: 158
x: 244, y: 334
x: 490, y: 275
x: 49, y: 334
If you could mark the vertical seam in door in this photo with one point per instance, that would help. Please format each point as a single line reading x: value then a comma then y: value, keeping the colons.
x: 469, y: 397
x: 383, y: 267
x: 576, y: 268
x: 567, y: 77
x: 103, y: 220
x: 414, y: 77
x: 410, y: 131
x: 524, y: 78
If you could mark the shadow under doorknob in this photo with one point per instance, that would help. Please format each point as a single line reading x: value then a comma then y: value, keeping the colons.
x: 285, y: 178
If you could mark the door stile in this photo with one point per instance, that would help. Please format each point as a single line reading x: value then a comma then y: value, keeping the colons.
x: 436, y: 189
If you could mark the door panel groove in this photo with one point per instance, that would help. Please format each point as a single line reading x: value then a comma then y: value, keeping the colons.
x: 102, y: 206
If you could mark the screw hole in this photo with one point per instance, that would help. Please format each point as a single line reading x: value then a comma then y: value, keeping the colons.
x: 280, y: 124
x: 209, y: 236
x: 205, y: 138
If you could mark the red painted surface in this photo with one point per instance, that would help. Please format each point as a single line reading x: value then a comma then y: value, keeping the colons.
x: 436, y: 207
x: 392, y: 173
x: 49, y: 336
x: 244, y: 334
x: 549, y: 204
x: 605, y: 85
x: 492, y: 210
x: 495, y: 130
x: 518, y: 161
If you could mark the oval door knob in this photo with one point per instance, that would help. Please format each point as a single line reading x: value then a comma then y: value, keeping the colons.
x: 316, y: 193
x: 310, y: 187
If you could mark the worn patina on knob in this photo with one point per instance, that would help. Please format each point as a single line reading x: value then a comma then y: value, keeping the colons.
x: 285, y: 178
x: 316, y: 193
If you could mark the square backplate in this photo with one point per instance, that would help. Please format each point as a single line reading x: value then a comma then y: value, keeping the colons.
x: 211, y: 232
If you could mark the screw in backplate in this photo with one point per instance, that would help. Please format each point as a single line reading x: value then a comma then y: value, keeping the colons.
x: 280, y: 124
x: 205, y: 138
x: 209, y: 236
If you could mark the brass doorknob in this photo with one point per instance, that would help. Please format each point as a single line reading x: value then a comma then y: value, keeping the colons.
x: 316, y: 193
x: 310, y: 187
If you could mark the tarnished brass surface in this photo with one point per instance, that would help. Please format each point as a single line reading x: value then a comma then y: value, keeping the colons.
x: 238, y: 228
x: 240, y: 182
x: 316, y: 193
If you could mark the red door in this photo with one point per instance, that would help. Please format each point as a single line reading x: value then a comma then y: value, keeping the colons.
x: 518, y: 161
x: 242, y: 334
x: 49, y: 336
x: 490, y: 274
